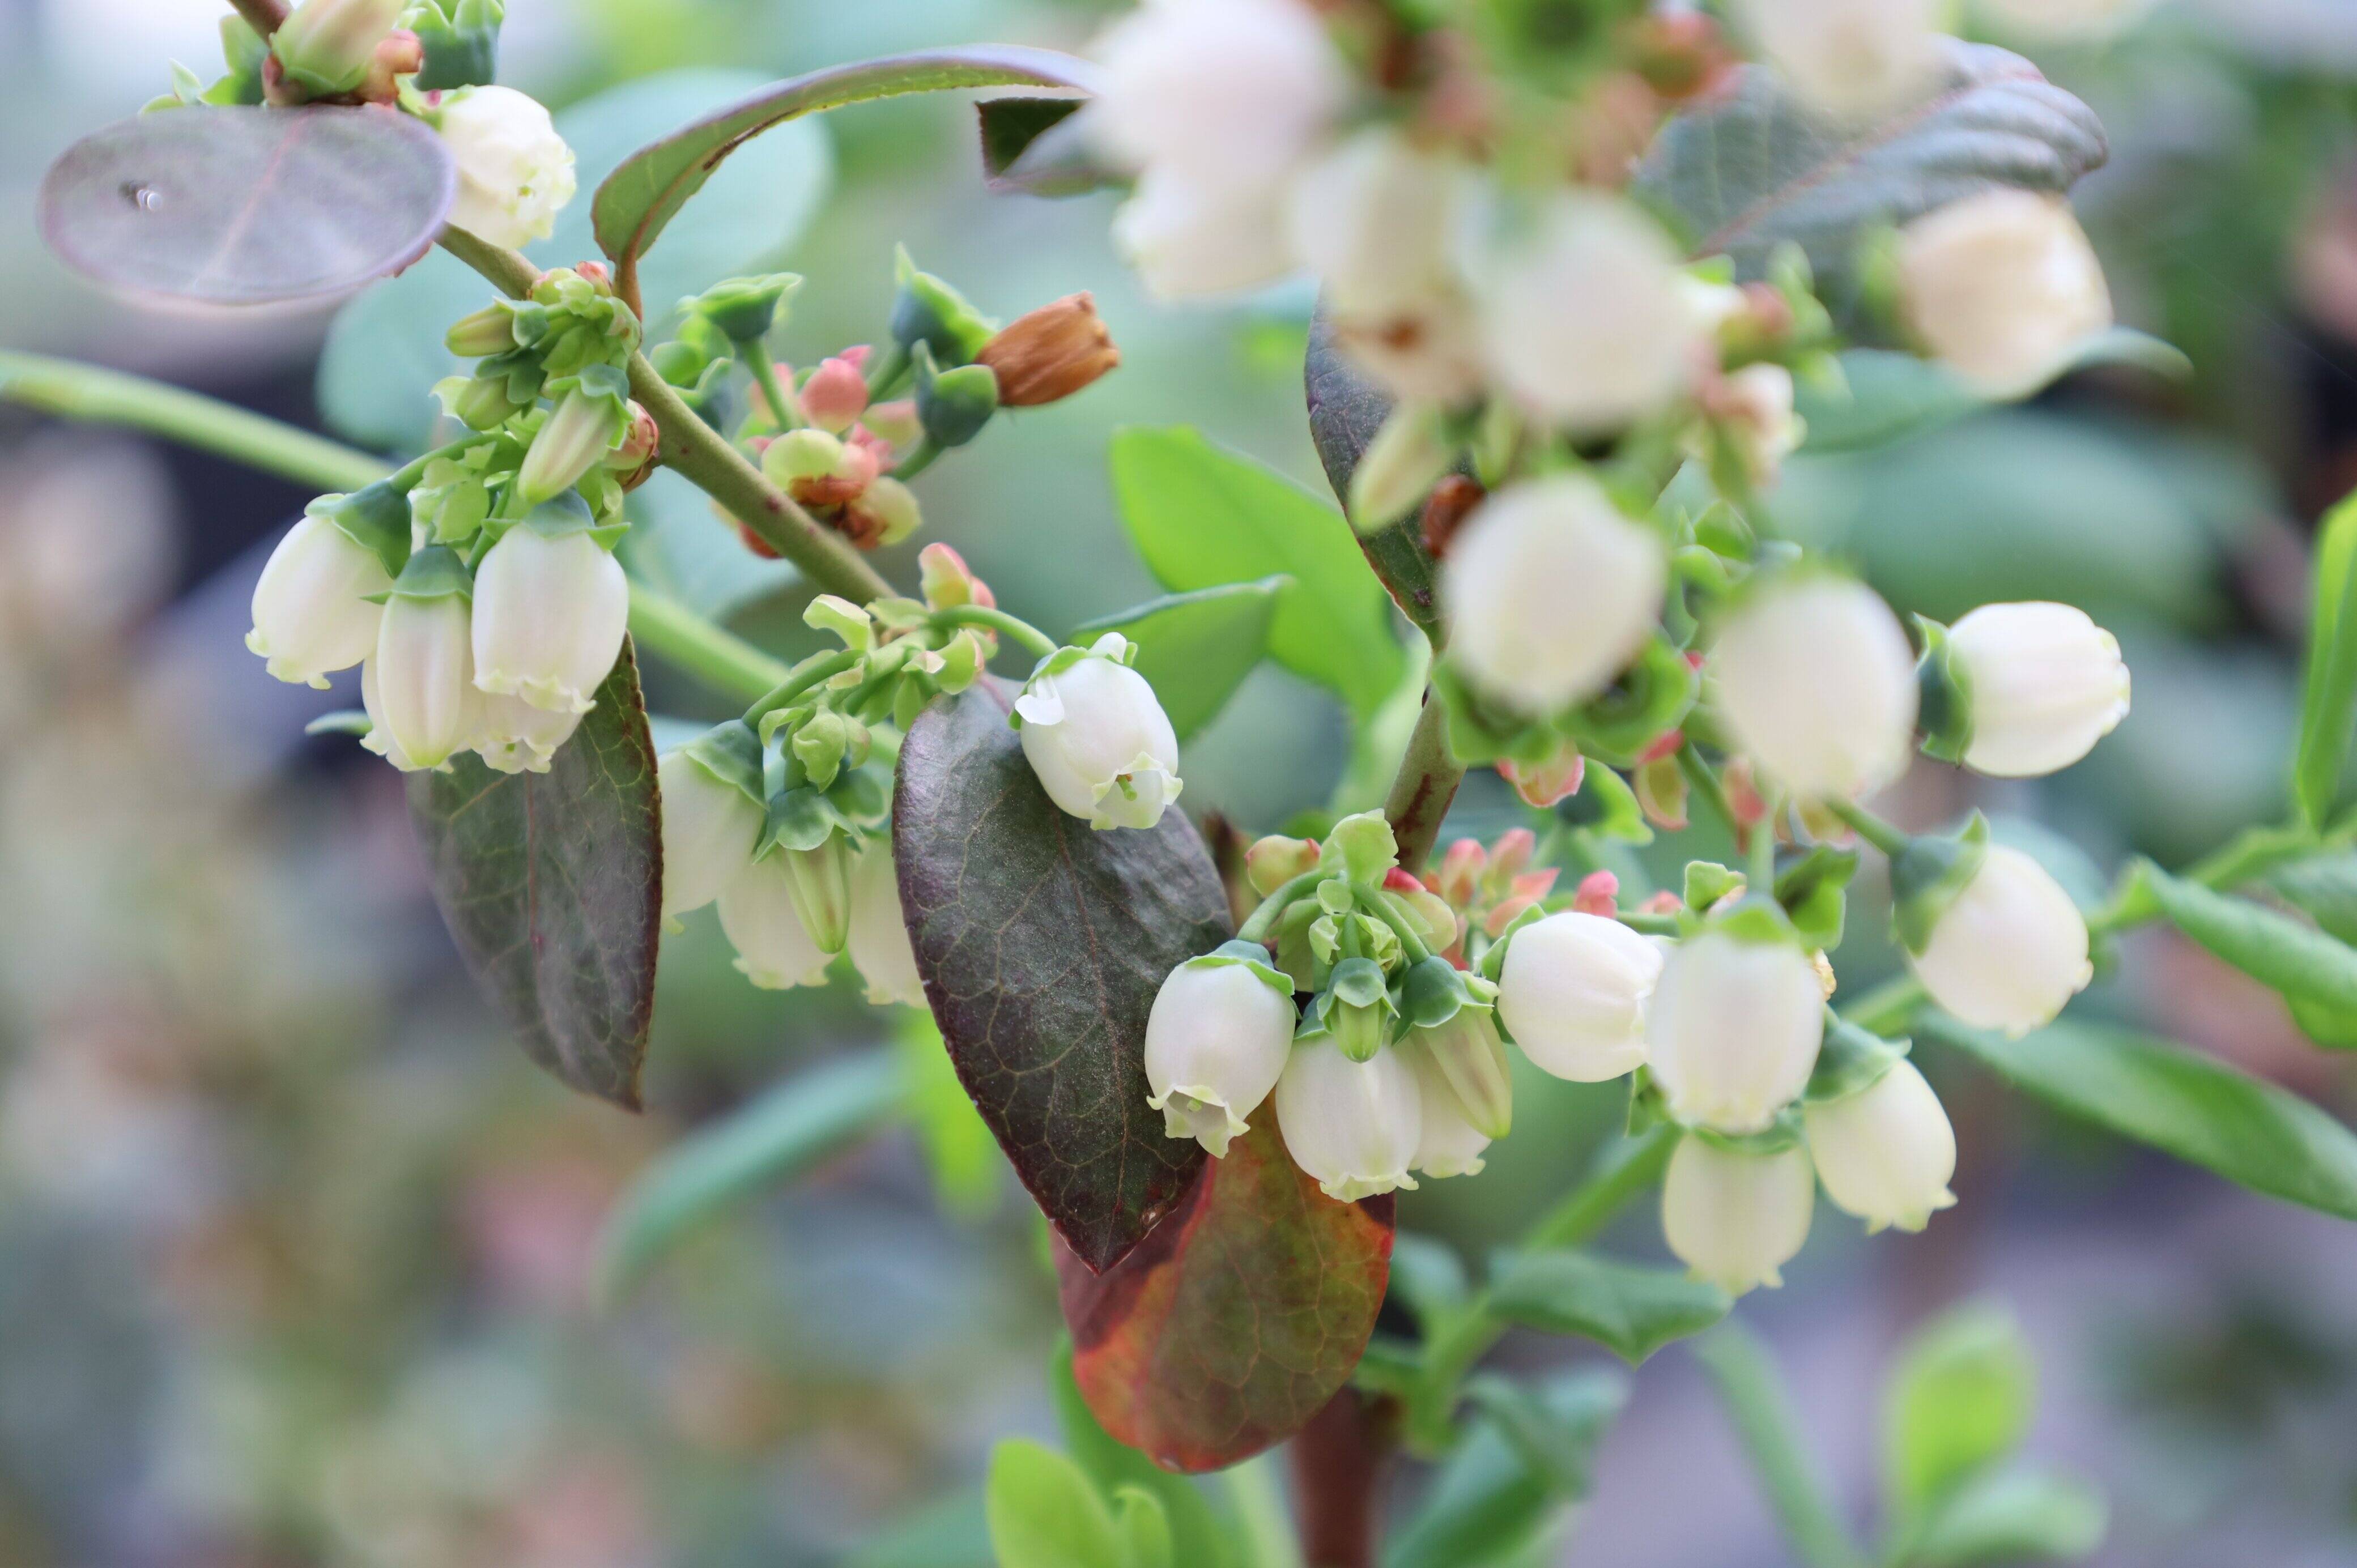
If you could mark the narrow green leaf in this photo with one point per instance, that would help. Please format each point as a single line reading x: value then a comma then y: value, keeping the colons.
x: 2015, y: 1516
x: 2177, y: 1100
x: 1196, y: 649
x: 1885, y: 395
x: 1488, y: 1504
x: 2265, y: 944
x: 959, y: 1146
x: 1045, y: 1512
x: 770, y: 1140
x: 1960, y: 1400
x: 1203, y: 516
x: 1428, y: 1276
x: 2324, y: 888
x: 2329, y: 689
x: 1197, y: 1536
x: 1628, y: 1310
x: 1754, y: 1391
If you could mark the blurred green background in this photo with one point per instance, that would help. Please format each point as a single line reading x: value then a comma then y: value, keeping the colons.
x: 294, y: 1246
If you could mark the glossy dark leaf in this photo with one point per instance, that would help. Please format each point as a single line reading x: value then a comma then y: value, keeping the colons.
x: 1034, y: 146
x: 647, y: 191
x: 1489, y: 1502
x: 1196, y: 649
x: 2202, y: 1110
x: 236, y: 205
x: 1042, y: 942
x: 1346, y: 409
x: 551, y: 883
x: 1630, y: 1310
x: 1754, y: 168
x: 1237, y: 1319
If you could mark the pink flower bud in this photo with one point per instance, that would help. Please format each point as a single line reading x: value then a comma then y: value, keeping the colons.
x: 1600, y: 893
x: 895, y: 421
x: 948, y: 582
x: 1509, y: 855
x: 1460, y: 871
x: 1274, y: 861
x: 1542, y: 784
x: 1662, y: 903
x: 836, y: 395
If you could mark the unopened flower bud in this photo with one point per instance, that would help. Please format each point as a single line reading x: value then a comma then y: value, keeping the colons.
x: 1471, y: 1059
x: 399, y: 54
x: 1851, y: 59
x: 514, y: 170
x: 424, y: 663
x: 1599, y: 893
x: 745, y: 309
x: 551, y: 606
x: 1050, y: 354
x: 1732, y: 1029
x: 325, y: 46
x: 757, y: 913
x: 895, y: 422
x: 710, y: 822
x: 1551, y: 590
x: 1574, y: 992
x: 930, y: 312
x: 1097, y: 738
x: 636, y: 450
x: 491, y: 331
x: 313, y: 613
x: 889, y: 511
x: 878, y: 939
x: 820, y: 882
x: 1354, y: 1127
x: 1754, y: 408
x: 947, y: 582
x: 835, y: 396
x: 953, y: 405
x: 1448, y: 1144
x: 817, y: 469
x: 2008, y: 949
x: 1886, y: 1152
x: 1736, y: 1218
x: 480, y: 402
x: 1815, y: 681
x: 2043, y: 684
x: 1216, y: 1041
x: 575, y: 438
x: 1548, y: 780
x: 2001, y: 287
x: 1409, y: 455
x: 1276, y: 860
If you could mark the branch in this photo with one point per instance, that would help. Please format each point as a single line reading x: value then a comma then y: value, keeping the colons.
x: 1757, y: 1403
x: 264, y: 16
x: 1340, y: 1464
x: 705, y: 457
x: 1426, y: 784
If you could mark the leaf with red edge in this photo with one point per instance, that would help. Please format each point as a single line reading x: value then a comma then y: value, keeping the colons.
x: 1237, y: 1319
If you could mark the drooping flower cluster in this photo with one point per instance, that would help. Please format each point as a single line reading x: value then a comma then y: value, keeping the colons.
x: 477, y: 587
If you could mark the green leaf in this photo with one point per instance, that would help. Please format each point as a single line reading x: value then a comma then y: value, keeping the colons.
x: 2329, y: 689
x: 2202, y: 1110
x: 2324, y: 888
x: 1197, y: 1537
x: 1044, y: 1513
x: 2013, y: 1516
x: 959, y: 1149
x: 385, y: 351
x: 550, y: 885
x: 1752, y: 1389
x: 1754, y: 168
x: 779, y: 1134
x: 1631, y: 1311
x: 1346, y: 409
x: 1487, y: 1503
x: 1237, y: 1319
x: 1196, y: 649
x: 1042, y: 942
x: 248, y: 206
x: 636, y: 202
x: 1960, y: 1400
x: 1143, y: 1530
x: 1202, y: 516
x: 2267, y: 945
x: 1429, y: 1277
x: 1885, y: 395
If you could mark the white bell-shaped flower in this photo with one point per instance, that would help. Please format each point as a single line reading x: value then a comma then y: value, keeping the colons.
x: 312, y: 609
x: 1573, y: 993
x: 1886, y: 1152
x: 1551, y: 590
x: 1449, y: 1144
x: 424, y: 671
x: 1098, y: 739
x: 1852, y: 59
x: 2001, y: 287
x: 1815, y: 681
x: 1372, y: 219
x: 2009, y: 949
x: 550, y: 612
x: 1583, y: 319
x: 880, y: 935
x: 757, y: 911
x: 1734, y: 1217
x: 2047, y: 683
x: 516, y: 737
x: 1733, y: 1029
x: 378, y: 739
x: 1354, y: 1127
x: 514, y: 170
x: 1187, y: 240
x: 709, y: 827
x: 1216, y: 1042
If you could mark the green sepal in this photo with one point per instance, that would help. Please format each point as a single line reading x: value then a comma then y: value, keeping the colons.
x: 1754, y: 918
x: 451, y: 501
x: 836, y: 615
x: 953, y: 405
x: 461, y: 40
x: 1648, y: 699
x: 1927, y: 876
x: 1432, y: 992
x: 927, y: 311
x: 1605, y: 805
x: 1252, y: 956
x: 1707, y: 882
x: 1944, y: 699
x: 803, y: 819
x: 1494, y: 957
x: 342, y: 721
x: 731, y: 753
x: 432, y: 573
x: 1355, y: 1010
x: 1361, y: 847
x: 1813, y: 891
x: 1782, y: 1134
x: 558, y: 517
x: 1850, y: 1059
x: 374, y: 517
x: 1647, y: 1108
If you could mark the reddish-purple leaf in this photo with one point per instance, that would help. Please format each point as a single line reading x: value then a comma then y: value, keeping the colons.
x: 1235, y: 1320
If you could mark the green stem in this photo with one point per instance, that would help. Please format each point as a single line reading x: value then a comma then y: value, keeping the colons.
x: 1022, y: 631
x: 1375, y: 902
x: 704, y: 456
x: 1426, y: 782
x: 1650, y: 925
x: 1256, y: 925
x: 726, y: 663
x: 811, y: 671
x: 1258, y: 1508
x: 919, y: 458
x: 1756, y: 1401
x: 1761, y: 854
x: 889, y: 367
x: 784, y: 411
x: 1882, y: 835
x: 1707, y: 788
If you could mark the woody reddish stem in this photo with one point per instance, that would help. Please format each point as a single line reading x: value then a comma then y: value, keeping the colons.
x: 1426, y: 784
x: 1341, y: 1461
